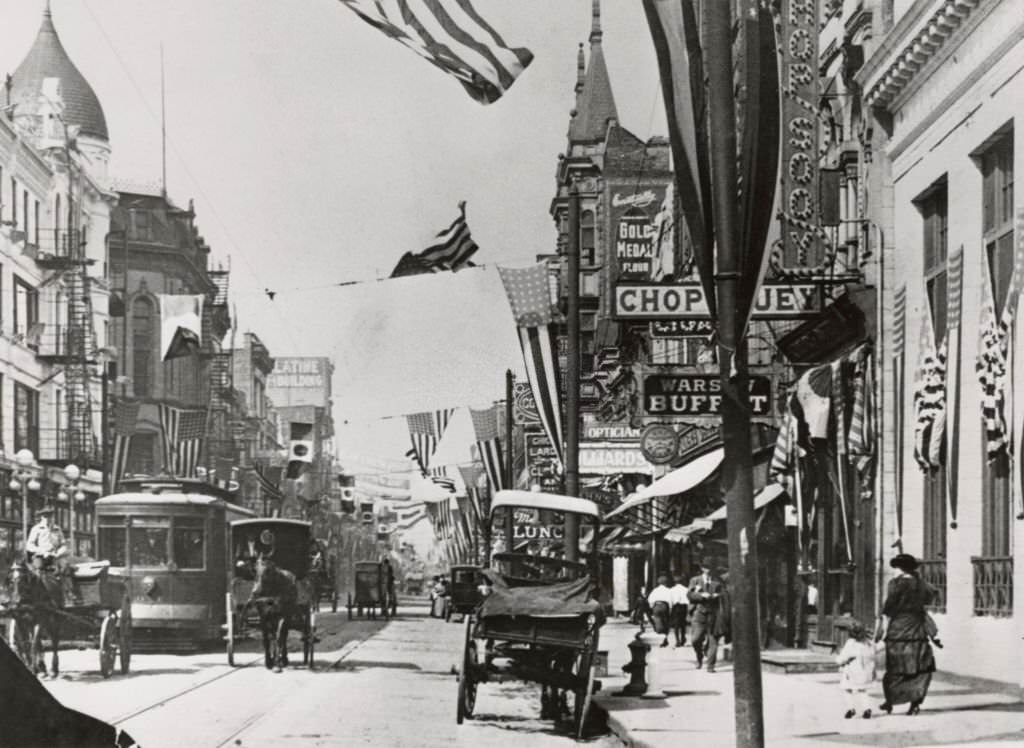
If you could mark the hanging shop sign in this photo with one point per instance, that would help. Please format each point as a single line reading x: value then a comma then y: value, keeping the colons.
x: 694, y: 438
x: 637, y: 301
x: 524, y: 407
x: 633, y: 209
x: 542, y: 462
x: 612, y: 458
x: 801, y: 233
x: 659, y: 443
x: 681, y: 328
x: 595, y: 430
x: 698, y: 395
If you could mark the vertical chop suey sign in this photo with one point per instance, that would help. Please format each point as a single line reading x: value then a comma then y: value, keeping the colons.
x: 800, y: 231
x: 633, y: 215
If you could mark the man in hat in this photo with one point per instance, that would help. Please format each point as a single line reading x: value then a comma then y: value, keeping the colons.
x: 704, y: 593
x: 45, y: 540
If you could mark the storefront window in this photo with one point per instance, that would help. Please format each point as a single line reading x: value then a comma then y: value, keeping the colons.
x: 189, y: 543
x: 111, y: 539
x: 148, y: 540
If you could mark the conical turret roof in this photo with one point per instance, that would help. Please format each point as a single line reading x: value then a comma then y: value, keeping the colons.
x: 48, y: 59
x: 596, y: 103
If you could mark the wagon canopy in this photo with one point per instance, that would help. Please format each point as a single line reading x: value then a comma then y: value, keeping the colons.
x: 286, y: 541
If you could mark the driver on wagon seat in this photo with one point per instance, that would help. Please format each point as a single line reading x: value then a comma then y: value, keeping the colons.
x: 45, y: 541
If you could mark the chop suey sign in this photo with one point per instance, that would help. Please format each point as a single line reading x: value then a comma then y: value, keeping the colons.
x: 650, y: 302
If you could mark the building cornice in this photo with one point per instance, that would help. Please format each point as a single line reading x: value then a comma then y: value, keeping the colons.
x: 916, y: 46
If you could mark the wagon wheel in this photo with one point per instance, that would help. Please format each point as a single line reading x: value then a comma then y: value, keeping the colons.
x: 36, y: 651
x: 467, y: 678
x: 585, y: 672
x: 229, y: 628
x: 108, y: 647
x: 309, y: 640
x: 125, y: 629
x: 280, y: 646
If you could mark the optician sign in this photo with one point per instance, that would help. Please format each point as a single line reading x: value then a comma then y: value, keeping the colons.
x: 698, y: 395
x: 638, y: 301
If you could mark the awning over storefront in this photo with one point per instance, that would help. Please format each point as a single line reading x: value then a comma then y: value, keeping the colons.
x: 680, y: 480
x: 762, y: 499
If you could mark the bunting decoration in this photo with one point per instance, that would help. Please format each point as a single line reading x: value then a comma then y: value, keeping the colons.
x: 181, y: 324
x: 862, y: 421
x: 990, y: 367
x: 410, y: 516
x: 782, y: 468
x: 837, y: 397
x: 485, y: 424
x: 453, y: 37
x: 126, y: 416
x: 529, y: 294
x: 439, y: 476
x: 675, y: 31
x: 424, y: 439
x: 955, y: 279
x: 899, y: 369
x: 1017, y: 372
x: 929, y: 398
x: 451, y: 250
x: 182, y: 432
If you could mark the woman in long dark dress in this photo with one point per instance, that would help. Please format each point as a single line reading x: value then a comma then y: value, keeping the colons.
x: 909, y: 662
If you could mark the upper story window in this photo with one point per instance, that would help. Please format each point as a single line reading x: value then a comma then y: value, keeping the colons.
x: 588, y: 238
x: 26, y: 306
x: 997, y: 213
x: 140, y: 225
x: 26, y: 418
x: 14, y: 203
x: 934, y: 208
x: 143, y: 340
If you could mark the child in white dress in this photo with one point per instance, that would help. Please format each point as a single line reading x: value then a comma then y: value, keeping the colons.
x: 856, y: 663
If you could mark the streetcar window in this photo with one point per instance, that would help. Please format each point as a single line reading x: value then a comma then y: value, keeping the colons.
x: 148, y: 539
x: 112, y: 537
x: 188, y: 539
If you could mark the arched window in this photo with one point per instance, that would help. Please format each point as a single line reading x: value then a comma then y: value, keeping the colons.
x: 142, y: 346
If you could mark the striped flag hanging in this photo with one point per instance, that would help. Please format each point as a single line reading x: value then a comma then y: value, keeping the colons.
x: 441, y: 419
x: 424, y: 439
x: 990, y: 367
x: 126, y: 416
x: 529, y: 294
x: 451, y: 250
x: 439, y: 476
x: 183, y: 432
x: 485, y: 424
x: 899, y: 370
x: 955, y: 275
x: 929, y: 397
x: 862, y: 418
x: 452, y: 36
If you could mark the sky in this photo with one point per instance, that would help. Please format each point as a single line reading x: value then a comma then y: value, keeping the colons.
x: 318, y: 151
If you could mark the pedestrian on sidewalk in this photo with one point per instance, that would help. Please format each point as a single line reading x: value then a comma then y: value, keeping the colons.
x: 909, y: 660
x: 660, y: 605
x: 641, y: 611
x: 677, y: 615
x: 704, y: 593
x: 856, y: 662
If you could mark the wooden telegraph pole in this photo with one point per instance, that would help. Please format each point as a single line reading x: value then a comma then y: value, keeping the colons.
x: 732, y: 363
x: 572, y: 384
x: 510, y: 479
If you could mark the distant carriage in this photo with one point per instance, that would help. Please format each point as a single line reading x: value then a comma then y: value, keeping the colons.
x: 464, y: 590
x: 370, y: 591
x: 284, y: 545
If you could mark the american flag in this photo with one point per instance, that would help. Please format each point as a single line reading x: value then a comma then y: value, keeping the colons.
x: 424, y: 439
x: 953, y: 343
x: 991, y: 370
x: 126, y: 415
x: 451, y: 35
x: 183, y: 432
x: 451, y: 250
x: 529, y: 294
x: 439, y: 476
x: 485, y: 424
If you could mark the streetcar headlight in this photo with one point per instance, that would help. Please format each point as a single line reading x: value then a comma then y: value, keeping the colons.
x: 148, y: 585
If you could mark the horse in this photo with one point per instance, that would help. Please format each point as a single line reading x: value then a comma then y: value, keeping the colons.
x: 37, y: 598
x: 276, y: 599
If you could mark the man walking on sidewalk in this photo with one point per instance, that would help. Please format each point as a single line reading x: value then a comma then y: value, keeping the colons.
x: 704, y: 593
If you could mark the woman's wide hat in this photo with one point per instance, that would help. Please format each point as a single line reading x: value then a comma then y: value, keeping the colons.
x: 904, y: 561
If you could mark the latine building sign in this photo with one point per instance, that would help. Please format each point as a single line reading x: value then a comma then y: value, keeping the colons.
x: 698, y: 395
x: 635, y: 301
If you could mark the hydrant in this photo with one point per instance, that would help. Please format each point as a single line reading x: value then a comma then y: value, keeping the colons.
x: 636, y: 668
x: 655, y: 654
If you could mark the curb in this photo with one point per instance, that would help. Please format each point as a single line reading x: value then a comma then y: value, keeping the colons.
x: 618, y: 729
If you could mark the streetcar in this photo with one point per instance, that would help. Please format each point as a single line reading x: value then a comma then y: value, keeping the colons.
x: 168, y: 540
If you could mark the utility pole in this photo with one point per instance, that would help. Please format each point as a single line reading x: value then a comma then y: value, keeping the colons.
x: 509, y: 467
x: 572, y: 383
x: 737, y: 478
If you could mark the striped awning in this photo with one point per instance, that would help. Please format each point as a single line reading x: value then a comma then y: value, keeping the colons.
x: 764, y: 497
x: 680, y: 480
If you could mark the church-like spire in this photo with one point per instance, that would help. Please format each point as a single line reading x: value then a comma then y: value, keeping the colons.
x: 596, y: 103
x: 581, y: 69
x: 595, y: 22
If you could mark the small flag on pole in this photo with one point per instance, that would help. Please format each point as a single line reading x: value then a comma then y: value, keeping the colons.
x: 183, y: 432
x: 450, y: 250
x: 451, y: 35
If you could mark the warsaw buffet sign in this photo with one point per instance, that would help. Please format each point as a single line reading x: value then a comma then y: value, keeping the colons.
x: 639, y: 301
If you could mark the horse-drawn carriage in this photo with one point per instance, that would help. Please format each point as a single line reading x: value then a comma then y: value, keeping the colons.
x: 539, y: 621
x: 270, y: 589
x: 464, y: 590
x: 321, y: 576
x: 371, y: 590
x: 98, y: 610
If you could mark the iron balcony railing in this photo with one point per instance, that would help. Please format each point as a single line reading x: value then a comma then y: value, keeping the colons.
x: 993, y: 586
x: 61, y: 244
x: 933, y: 572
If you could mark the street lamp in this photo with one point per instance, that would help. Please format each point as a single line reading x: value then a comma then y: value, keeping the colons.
x: 24, y: 480
x: 71, y: 474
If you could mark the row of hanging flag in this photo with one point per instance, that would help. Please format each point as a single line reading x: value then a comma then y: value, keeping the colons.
x: 999, y: 366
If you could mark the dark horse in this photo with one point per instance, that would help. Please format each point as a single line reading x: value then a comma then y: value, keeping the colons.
x: 37, y: 599
x: 275, y: 595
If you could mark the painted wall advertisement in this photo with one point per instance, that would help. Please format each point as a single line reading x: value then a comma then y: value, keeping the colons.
x: 633, y: 209
x: 698, y: 395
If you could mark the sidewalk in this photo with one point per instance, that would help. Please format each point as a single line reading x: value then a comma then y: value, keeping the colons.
x: 799, y: 709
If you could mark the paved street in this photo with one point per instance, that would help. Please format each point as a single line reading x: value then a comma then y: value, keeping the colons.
x: 378, y: 685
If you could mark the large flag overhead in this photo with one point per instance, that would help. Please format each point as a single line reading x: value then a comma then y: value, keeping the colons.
x: 181, y: 324
x: 453, y: 36
x: 676, y: 33
x: 485, y: 423
x: 529, y: 294
x: 424, y: 439
x: 450, y: 250
x: 126, y: 416
x: 183, y: 432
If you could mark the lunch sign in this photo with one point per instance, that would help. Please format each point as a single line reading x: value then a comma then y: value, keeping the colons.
x: 645, y: 301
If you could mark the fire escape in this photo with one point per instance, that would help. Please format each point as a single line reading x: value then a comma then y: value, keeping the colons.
x: 223, y: 399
